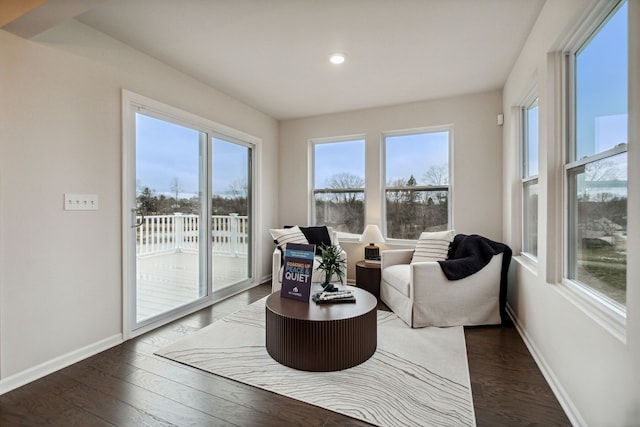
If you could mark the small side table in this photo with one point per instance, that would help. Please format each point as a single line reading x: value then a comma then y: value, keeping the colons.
x: 368, y: 277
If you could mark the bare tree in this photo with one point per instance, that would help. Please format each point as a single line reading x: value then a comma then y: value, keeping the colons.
x: 604, y: 170
x: 239, y: 189
x: 340, y: 207
x: 437, y: 175
x: 346, y: 180
x: 398, y: 195
x: 176, y: 188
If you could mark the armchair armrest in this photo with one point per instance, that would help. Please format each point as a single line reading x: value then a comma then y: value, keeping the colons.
x: 395, y: 256
x: 334, y: 236
x: 275, y: 270
x: 424, y: 276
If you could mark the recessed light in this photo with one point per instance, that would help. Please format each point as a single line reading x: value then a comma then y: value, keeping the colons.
x: 337, y: 58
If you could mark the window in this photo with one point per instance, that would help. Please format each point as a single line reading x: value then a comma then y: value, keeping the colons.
x: 530, y: 179
x: 338, y: 184
x: 596, y: 163
x: 417, y: 183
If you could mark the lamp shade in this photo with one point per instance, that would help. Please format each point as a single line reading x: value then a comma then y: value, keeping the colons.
x: 372, y: 234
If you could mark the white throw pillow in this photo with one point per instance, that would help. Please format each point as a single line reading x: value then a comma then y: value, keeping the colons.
x: 282, y: 236
x: 433, y: 246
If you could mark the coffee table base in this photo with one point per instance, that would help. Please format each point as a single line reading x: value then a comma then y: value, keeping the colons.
x: 329, y: 345
x: 321, y: 346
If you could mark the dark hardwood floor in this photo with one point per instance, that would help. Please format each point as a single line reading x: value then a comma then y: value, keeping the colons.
x: 128, y: 386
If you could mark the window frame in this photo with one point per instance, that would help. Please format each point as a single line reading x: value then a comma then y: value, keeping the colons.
x: 602, y: 308
x: 312, y: 173
x: 383, y: 176
x: 532, y: 101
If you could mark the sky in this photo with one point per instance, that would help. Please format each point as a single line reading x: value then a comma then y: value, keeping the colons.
x: 601, y: 87
x: 165, y: 151
x: 406, y: 155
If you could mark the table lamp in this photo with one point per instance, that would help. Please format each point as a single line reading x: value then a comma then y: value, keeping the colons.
x: 372, y: 235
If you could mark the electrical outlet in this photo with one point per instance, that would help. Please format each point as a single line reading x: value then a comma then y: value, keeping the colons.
x: 80, y: 202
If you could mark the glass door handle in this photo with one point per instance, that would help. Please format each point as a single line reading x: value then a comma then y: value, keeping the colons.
x: 134, y: 215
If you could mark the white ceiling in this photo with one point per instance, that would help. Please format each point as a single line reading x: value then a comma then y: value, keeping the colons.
x: 273, y: 54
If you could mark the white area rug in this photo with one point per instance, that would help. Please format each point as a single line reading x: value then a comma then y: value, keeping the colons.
x: 417, y: 377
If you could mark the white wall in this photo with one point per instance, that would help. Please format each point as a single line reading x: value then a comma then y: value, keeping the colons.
x: 595, y: 374
x: 477, y: 159
x: 60, y: 130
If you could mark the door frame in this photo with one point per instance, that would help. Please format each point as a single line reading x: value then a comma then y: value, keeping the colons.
x: 132, y: 103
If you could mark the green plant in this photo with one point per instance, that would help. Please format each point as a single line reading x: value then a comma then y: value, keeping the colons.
x: 331, y: 263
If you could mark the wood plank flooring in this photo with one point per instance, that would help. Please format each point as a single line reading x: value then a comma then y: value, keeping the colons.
x: 129, y: 386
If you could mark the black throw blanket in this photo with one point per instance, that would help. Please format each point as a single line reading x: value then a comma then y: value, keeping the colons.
x: 471, y: 253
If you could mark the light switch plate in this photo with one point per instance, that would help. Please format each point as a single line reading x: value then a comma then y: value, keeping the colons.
x: 80, y: 202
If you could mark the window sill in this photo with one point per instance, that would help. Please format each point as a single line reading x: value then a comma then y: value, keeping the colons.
x: 528, y: 262
x: 609, y: 315
x: 348, y: 237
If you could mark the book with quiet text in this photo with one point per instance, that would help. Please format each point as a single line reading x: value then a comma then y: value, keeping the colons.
x: 298, y: 267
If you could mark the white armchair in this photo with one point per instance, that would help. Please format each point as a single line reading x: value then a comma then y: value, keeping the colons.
x: 421, y: 295
x: 316, y: 277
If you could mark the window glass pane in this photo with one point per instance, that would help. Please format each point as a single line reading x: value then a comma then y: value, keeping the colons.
x: 423, y: 157
x: 339, y: 185
x: 168, y: 195
x: 415, y: 164
x: 410, y: 212
x: 598, y: 213
x: 530, y: 217
x: 531, y: 141
x: 231, y: 212
x: 601, y: 88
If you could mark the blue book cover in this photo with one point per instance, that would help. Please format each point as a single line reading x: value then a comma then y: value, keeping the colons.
x: 298, y: 267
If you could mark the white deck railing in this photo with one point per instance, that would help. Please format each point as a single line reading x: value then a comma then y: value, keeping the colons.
x: 159, y: 234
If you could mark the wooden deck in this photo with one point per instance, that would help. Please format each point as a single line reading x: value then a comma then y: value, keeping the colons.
x: 168, y: 281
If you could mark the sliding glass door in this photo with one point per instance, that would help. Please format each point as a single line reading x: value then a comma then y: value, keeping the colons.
x: 187, y: 220
x: 169, y: 217
x: 231, y: 212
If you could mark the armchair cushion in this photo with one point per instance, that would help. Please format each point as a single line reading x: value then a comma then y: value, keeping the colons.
x: 317, y: 235
x: 282, y: 236
x: 433, y: 246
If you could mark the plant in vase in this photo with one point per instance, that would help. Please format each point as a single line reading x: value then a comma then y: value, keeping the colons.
x: 331, y: 264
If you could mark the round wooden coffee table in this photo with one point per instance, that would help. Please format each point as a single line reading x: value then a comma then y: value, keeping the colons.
x: 321, y: 337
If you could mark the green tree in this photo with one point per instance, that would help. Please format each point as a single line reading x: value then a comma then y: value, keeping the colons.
x: 147, y: 201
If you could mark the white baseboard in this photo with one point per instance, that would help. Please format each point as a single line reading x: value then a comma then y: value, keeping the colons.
x: 53, y: 365
x: 563, y: 398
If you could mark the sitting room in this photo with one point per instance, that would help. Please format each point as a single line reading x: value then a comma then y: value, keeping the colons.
x: 157, y: 157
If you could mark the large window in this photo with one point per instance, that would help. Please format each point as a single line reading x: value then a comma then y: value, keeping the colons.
x: 338, y: 184
x: 529, y: 122
x: 596, y: 164
x: 416, y: 183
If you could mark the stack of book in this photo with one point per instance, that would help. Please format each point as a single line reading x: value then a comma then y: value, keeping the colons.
x: 333, y: 297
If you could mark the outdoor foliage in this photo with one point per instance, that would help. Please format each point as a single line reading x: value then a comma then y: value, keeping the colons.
x: 602, y: 233
x: 411, y: 211
x: 151, y: 203
x: 341, y: 206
